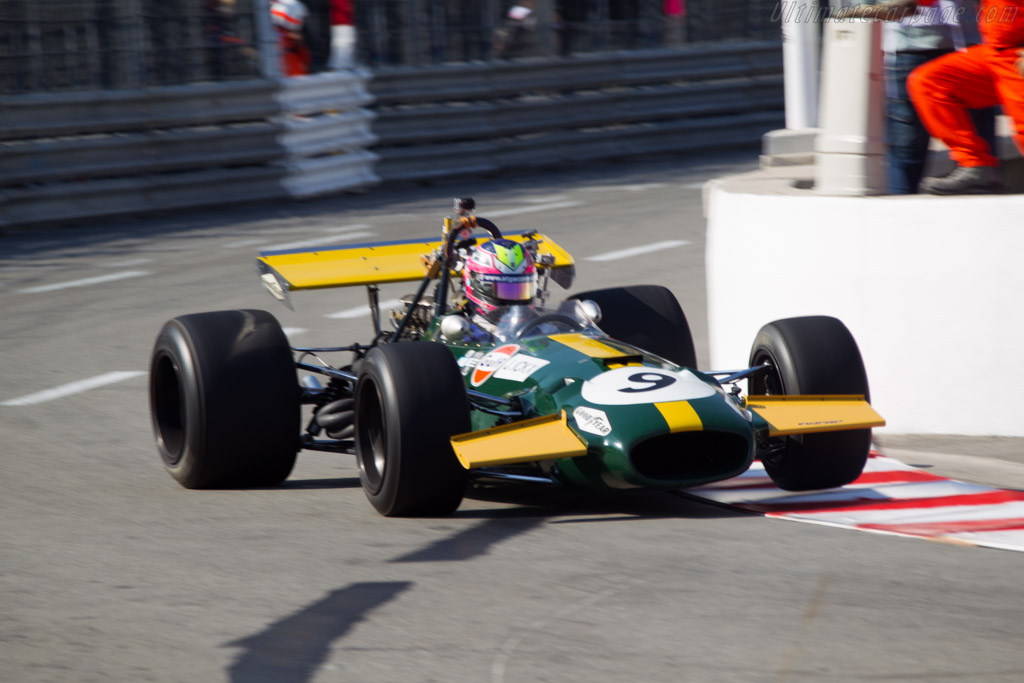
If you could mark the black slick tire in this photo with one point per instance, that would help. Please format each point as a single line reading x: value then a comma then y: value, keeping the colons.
x: 648, y: 317
x: 812, y: 355
x: 410, y: 400
x: 224, y: 400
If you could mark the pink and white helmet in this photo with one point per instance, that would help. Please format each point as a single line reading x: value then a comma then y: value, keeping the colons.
x: 499, y: 273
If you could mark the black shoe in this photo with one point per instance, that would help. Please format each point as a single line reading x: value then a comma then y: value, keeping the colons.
x: 966, y: 180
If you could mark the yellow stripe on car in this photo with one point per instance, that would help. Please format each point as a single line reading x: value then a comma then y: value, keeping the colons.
x: 588, y: 346
x: 680, y: 416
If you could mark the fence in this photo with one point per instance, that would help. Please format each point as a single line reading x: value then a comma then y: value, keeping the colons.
x: 77, y: 155
x: 485, y: 118
x: 127, y: 106
x: 420, y: 32
x: 60, y: 45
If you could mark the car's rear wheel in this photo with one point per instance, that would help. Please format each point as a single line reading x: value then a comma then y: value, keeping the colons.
x: 224, y: 400
x: 410, y: 400
x: 811, y: 355
x: 647, y: 316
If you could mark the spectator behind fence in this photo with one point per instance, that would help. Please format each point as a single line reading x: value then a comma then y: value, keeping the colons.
x: 288, y: 17
x: 225, y: 48
x: 343, y: 35
x: 675, y: 21
x: 916, y: 32
x: 517, y: 35
x: 982, y: 76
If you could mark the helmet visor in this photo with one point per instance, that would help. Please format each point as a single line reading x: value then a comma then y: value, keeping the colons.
x: 514, y: 291
x: 503, y: 288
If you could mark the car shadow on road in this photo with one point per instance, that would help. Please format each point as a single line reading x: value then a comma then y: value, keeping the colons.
x: 336, y: 483
x: 597, y: 505
x: 526, y: 507
x: 292, y: 649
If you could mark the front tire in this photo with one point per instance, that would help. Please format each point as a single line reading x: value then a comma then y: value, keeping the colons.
x: 648, y: 317
x: 410, y: 400
x: 224, y: 400
x: 811, y: 355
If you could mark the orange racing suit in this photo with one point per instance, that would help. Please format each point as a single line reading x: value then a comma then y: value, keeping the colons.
x: 982, y: 76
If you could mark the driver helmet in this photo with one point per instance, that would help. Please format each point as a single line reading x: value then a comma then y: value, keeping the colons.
x: 499, y: 273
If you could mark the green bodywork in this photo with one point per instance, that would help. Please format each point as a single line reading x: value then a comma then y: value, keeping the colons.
x: 691, y: 459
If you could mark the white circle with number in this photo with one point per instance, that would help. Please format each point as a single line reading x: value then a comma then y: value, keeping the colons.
x: 634, y: 385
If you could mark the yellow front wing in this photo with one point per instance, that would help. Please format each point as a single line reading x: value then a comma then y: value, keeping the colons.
x: 788, y: 415
x: 542, y: 438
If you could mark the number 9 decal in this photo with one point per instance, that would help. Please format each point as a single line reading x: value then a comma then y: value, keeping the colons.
x: 635, y: 385
x: 652, y: 381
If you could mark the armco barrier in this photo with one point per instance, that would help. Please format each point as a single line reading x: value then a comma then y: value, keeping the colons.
x: 72, y: 156
x: 484, y: 118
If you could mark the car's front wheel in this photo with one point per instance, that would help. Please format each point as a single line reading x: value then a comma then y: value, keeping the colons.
x: 410, y: 400
x: 811, y: 355
x: 224, y: 399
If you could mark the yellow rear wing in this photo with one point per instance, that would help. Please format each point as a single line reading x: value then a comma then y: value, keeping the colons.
x: 373, y: 263
x: 788, y: 415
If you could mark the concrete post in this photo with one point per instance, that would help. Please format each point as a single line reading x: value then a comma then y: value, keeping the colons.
x: 800, y: 29
x: 850, y: 150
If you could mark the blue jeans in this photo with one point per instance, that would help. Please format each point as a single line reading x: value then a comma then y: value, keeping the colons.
x: 908, y: 139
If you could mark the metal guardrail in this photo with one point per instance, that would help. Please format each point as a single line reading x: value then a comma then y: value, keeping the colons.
x: 72, y: 155
x: 327, y: 133
x: 483, y: 118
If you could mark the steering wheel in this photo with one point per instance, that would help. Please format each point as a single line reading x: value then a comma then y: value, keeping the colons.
x: 553, y: 318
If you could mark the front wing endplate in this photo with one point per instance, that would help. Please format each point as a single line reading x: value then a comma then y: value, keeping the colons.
x: 542, y: 438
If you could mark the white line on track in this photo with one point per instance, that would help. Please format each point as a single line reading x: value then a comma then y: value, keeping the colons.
x: 99, y: 279
x: 636, y: 251
x: 347, y: 228
x: 254, y: 241
x: 531, y: 209
x: 322, y: 242
x: 637, y: 187
x: 545, y: 200
x: 72, y: 388
x: 360, y: 311
x: 251, y: 242
x: 292, y: 331
x: 127, y: 264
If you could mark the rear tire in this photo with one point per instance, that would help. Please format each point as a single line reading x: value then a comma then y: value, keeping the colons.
x: 224, y: 400
x: 812, y: 355
x: 410, y: 400
x: 648, y: 317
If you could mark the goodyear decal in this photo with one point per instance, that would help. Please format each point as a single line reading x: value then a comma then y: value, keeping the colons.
x: 592, y: 420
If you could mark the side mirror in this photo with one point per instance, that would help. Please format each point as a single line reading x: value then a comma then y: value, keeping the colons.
x: 591, y: 310
x: 454, y: 327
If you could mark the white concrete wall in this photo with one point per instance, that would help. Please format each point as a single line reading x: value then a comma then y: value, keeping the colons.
x: 931, y: 287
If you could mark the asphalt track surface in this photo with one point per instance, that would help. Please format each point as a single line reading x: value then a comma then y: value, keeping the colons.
x: 109, y: 571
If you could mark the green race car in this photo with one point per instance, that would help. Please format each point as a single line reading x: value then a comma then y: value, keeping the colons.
x: 478, y: 380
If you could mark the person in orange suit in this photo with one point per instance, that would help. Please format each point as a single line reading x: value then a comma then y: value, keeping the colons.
x: 288, y: 17
x: 944, y: 89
